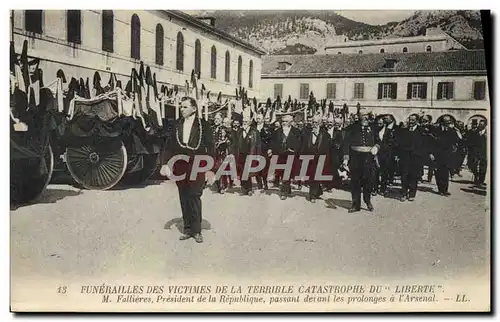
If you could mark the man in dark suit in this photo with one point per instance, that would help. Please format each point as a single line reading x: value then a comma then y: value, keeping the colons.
x: 386, y: 154
x: 410, y: 149
x: 286, y: 141
x: 477, y: 145
x: 191, y: 136
x: 360, y: 149
x: 265, y: 132
x: 246, y: 142
x: 315, y: 142
x: 336, y: 139
x: 446, y: 140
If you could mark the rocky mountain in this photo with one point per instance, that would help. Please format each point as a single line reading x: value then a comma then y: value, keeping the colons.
x: 303, y: 32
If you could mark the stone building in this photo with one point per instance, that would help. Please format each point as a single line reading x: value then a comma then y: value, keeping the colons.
x: 434, y: 40
x: 171, y: 42
x: 436, y: 83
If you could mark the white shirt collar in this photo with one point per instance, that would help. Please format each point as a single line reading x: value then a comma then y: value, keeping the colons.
x: 413, y: 128
x: 390, y: 126
x: 190, y: 118
x: 482, y: 132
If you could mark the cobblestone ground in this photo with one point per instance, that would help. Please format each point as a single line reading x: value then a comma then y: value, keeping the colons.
x: 134, y: 231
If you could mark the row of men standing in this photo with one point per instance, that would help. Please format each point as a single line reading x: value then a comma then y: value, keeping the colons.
x: 408, y: 148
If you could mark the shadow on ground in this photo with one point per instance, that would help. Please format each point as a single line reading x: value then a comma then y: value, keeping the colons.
x: 50, y: 195
x: 179, y: 224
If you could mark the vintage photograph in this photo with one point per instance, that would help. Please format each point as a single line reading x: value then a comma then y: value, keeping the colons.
x: 250, y: 160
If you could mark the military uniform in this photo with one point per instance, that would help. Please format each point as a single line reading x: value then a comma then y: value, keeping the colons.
x: 358, y: 144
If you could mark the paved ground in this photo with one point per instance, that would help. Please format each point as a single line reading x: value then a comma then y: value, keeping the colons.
x: 134, y: 232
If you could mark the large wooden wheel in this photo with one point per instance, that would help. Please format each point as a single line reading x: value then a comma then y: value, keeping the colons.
x: 99, y: 166
x: 30, y: 177
x: 150, y: 163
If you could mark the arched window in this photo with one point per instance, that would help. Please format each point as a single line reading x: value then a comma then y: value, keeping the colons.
x: 197, y: 57
x: 250, y: 74
x: 240, y: 63
x: 33, y: 20
x: 135, y: 43
x: 180, y: 52
x: 107, y: 30
x: 382, y: 50
x: 227, y: 75
x: 159, y: 44
x: 428, y: 48
x: 339, y: 53
x: 213, y: 63
x: 74, y: 25
x: 360, y: 52
x: 405, y: 49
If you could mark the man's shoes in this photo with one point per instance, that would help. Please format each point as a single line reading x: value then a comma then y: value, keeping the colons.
x: 411, y: 199
x: 446, y: 194
x: 184, y: 237
x: 198, y: 238
x: 354, y: 209
x: 402, y: 198
x: 222, y: 191
x: 250, y: 193
x: 283, y: 197
x: 312, y: 200
x: 369, y: 206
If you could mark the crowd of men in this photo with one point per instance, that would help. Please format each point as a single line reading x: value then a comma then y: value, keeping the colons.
x: 372, y: 150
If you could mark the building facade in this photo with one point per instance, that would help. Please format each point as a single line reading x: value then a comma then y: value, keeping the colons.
x: 436, y: 83
x: 434, y: 40
x: 171, y: 42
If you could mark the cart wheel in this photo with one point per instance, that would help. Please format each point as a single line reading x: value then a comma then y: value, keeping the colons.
x: 151, y: 163
x: 30, y: 177
x: 97, y: 167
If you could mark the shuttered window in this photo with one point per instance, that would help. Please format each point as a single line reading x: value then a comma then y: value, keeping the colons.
x: 159, y: 44
x: 479, y: 90
x: 107, y: 30
x: 33, y: 21
x: 387, y: 90
x: 74, y: 20
x: 359, y: 90
x: 278, y: 90
x: 417, y: 91
x: 213, y: 63
x: 445, y: 91
x: 304, y: 91
x: 331, y: 90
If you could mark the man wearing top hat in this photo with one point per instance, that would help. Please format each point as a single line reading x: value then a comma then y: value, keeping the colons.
x: 361, y: 146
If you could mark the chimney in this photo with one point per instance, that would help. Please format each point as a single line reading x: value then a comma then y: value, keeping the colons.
x: 208, y: 20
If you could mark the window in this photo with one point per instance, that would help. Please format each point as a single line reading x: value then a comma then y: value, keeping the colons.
x: 135, y: 41
x: 304, y: 91
x: 339, y: 53
x: 159, y: 44
x: 278, y: 90
x: 74, y: 24
x: 33, y: 21
x: 387, y: 90
x: 382, y: 50
x: 405, y: 49
x: 479, y: 90
x: 390, y: 63
x: 213, y: 63
x: 250, y: 74
x: 359, y: 90
x: 445, y: 91
x: 240, y: 62
x: 417, y: 91
x: 360, y: 52
x: 180, y: 52
x: 227, y: 72
x: 331, y: 89
x: 107, y: 30
x: 428, y: 48
x: 197, y: 57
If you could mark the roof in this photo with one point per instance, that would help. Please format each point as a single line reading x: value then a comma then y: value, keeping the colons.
x: 387, y: 41
x: 195, y: 21
x: 372, y: 64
